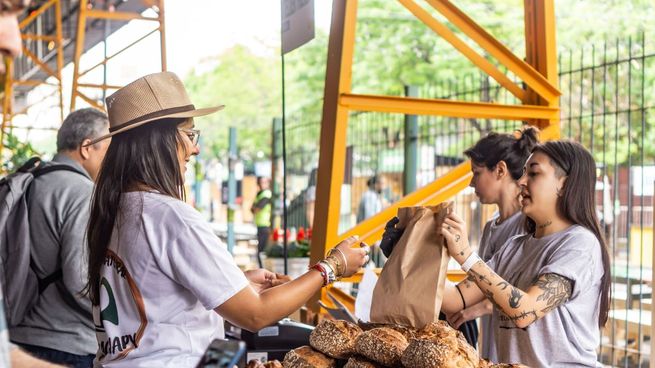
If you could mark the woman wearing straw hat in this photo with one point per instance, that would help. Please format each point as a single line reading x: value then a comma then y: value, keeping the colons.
x: 160, y: 281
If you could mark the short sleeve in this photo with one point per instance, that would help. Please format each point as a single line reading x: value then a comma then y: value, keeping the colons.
x: 577, y: 259
x: 201, y: 263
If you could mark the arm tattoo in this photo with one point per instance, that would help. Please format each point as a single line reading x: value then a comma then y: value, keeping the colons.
x: 479, y: 277
x: 556, y: 290
x: 490, y: 296
x: 515, y: 298
x: 503, y: 285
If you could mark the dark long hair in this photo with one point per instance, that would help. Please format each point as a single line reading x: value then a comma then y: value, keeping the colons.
x: 496, y: 147
x: 577, y: 202
x: 144, y: 157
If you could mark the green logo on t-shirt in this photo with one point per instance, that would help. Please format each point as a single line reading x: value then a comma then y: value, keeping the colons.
x: 110, y: 313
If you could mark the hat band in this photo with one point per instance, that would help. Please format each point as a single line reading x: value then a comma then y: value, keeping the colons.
x: 154, y: 115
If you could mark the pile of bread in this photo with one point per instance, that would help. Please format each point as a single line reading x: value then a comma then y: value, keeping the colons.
x: 436, y: 345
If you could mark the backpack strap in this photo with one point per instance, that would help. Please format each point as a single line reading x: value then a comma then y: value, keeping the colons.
x: 48, y: 169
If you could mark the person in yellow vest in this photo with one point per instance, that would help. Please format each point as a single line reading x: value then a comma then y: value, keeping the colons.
x: 261, y: 208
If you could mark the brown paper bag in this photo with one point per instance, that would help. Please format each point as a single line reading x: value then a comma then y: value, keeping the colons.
x: 410, y: 288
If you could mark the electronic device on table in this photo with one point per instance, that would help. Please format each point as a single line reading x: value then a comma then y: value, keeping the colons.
x: 272, y: 342
x: 224, y: 354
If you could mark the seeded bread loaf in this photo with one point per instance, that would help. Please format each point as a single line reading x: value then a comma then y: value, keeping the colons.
x: 335, y: 338
x: 382, y: 345
x: 408, y: 332
x: 306, y: 357
x: 257, y: 364
x: 359, y: 362
x: 439, y: 345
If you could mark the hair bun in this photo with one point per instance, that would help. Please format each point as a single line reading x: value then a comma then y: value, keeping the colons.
x: 528, y: 139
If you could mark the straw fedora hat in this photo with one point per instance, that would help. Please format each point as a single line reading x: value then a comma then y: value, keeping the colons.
x: 153, y: 97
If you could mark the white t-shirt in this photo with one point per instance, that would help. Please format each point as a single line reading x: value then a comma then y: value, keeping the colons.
x: 164, y: 273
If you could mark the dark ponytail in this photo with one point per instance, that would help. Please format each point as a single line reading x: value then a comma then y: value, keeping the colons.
x: 143, y: 157
x: 577, y: 202
x: 496, y: 147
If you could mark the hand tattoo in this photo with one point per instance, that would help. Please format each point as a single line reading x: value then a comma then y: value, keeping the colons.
x: 457, y: 237
x: 557, y: 290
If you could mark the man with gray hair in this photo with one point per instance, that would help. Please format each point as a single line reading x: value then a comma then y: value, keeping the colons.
x: 59, y: 328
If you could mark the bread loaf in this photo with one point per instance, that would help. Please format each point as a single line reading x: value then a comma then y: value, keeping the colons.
x: 485, y: 364
x: 335, y: 338
x: 382, y: 345
x: 359, y: 362
x: 306, y: 357
x: 439, y: 345
x: 257, y: 364
x: 408, y: 332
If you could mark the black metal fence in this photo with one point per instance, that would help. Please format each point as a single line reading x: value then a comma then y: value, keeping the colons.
x: 608, y: 104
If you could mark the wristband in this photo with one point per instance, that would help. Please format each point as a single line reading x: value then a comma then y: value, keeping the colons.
x: 319, y: 267
x: 470, y: 261
x: 329, y: 269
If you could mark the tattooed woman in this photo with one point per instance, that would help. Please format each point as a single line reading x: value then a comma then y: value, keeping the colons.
x: 497, y: 162
x: 550, y: 287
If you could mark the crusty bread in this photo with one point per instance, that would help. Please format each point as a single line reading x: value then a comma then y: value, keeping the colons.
x: 439, y: 345
x: 359, y: 362
x: 408, y: 332
x: 382, y: 345
x: 306, y: 357
x: 335, y: 338
x: 485, y: 364
x: 257, y: 364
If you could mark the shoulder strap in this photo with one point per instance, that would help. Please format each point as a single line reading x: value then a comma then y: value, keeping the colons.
x: 48, y: 169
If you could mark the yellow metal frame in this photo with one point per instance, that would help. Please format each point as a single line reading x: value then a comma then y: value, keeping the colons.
x: 10, y: 82
x: 540, y: 106
x: 84, y: 15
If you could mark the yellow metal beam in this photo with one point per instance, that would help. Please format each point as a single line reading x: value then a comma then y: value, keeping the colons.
x: 7, y: 101
x: 535, y: 80
x: 94, y: 85
x: 79, y: 48
x: 541, y: 53
x: 33, y: 83
x: 117, y: 15
x: 162, y: 34
x: 333, y: 130
x: 37, y: 37
x: 33, y: 15
x: 466, y: 50
x: 462, y: 109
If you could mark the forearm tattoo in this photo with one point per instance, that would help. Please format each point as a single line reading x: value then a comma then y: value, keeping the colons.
x: 479, y: 277
x: 556, y: 290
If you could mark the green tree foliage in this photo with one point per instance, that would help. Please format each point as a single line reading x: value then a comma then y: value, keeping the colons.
x: 249, y: 87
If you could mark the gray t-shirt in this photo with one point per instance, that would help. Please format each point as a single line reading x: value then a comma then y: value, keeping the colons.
x: 493, y: 237
x: 568, y: 335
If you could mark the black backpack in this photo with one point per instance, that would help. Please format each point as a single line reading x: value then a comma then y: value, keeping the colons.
x: 21, y: 286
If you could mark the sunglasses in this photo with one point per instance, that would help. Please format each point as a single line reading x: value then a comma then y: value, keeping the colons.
x: 193, y: 134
